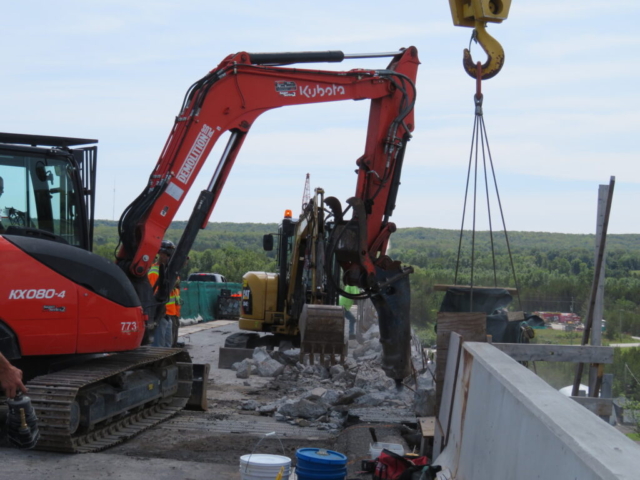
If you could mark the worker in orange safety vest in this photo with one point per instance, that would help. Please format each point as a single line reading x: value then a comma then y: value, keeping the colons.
x: 163, y: 335
x: 173, y: 312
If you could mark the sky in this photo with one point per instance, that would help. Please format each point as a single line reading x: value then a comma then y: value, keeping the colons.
x: 562, y: 116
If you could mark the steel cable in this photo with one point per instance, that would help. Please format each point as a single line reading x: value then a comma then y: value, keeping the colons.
x: 480, y: 140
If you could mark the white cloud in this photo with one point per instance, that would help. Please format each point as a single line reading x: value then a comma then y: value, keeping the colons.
x: 563, y: 112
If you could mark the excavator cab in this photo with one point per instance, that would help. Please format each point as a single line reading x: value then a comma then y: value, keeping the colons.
x: 298, y: 303
x: 46, y: 187
x: 264, y: 294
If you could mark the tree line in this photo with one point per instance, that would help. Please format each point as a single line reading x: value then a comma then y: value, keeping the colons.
x: 553, y: 271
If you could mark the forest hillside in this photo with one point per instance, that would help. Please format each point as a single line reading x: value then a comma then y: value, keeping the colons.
x: 553, y: 271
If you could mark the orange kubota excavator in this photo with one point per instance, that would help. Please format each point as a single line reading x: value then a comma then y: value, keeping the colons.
x: 63, y: 308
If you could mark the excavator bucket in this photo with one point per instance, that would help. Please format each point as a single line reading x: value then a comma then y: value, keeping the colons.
x: 322, y: 333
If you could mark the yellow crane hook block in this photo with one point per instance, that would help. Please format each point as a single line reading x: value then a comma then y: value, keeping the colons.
x: 476, y: 13
x: 465, y: 13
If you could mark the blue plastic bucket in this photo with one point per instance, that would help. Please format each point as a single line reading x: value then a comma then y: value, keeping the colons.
x: 320, y: 464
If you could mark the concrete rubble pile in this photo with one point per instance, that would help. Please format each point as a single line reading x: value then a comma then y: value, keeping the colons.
x: 322, y: 396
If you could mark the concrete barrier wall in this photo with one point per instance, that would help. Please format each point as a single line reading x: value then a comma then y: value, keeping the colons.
x: 507, y: 423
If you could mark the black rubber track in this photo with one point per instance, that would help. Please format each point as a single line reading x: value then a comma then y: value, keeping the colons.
x: 52, y: 396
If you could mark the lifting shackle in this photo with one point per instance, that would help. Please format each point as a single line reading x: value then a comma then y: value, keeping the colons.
x: 476, y: 14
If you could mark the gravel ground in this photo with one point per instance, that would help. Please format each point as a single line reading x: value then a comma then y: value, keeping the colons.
x: 196, y: 445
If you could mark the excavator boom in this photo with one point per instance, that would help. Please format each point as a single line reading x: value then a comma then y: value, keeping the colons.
x: 229, y: 99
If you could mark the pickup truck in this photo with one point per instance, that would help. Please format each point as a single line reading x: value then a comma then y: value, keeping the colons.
x: 206, y: 277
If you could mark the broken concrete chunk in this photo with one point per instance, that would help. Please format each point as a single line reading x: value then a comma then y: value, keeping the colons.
x: 289, y: 373
x: 341, y: 409
x: 424, y: 402
x: 269, y: 368
x: 249, y: 405
x: 331, y: 396
x: 244, y: 368
x: 336, y: 370
x: 293, y: 353
x: 303, y: 408
x: 260, y: 354
x: 372, y: 334
x: 285, y: 358
x: 316, y: 370
x: 360, y: 351
x: 371, y: 399
x: 320, y: 371
x: 315, y: 394
x: 268, y: 408
x: 349, y: 396
x: 243, y: 372
x: 373, y: 379
x: 370, y: 358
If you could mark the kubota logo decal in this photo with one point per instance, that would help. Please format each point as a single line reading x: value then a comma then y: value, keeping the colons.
x: 286, y: 86
x: 195, y: 153
x: 318, y: 91
x: 33, y: 294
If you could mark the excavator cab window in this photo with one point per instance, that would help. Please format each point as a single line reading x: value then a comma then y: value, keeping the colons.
x: 40, y: 193
x: 286, y: 235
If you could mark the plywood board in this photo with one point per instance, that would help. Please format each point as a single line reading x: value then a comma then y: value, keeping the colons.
x: 470, y: 326
x: 448, y: 391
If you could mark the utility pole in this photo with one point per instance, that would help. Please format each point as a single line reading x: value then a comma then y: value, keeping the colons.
x: 572, y: 304
x: 620, y: 325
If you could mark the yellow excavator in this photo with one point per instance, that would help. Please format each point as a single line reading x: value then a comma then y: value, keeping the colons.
x: 298, y: 303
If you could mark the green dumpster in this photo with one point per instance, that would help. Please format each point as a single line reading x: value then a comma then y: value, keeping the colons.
x: 200, y: 299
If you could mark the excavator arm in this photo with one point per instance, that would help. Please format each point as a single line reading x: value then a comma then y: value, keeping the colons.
x: 229, y: 99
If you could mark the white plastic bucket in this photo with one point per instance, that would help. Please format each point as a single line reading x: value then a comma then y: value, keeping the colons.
x: 264, y: 467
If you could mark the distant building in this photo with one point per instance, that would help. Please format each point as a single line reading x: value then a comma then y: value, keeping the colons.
x: 559, y: 317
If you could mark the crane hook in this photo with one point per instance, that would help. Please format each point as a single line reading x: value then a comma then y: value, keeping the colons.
x: 493, y: 49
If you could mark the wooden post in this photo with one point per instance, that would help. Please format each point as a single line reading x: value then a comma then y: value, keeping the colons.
x: 596, y: 331
x: 594, y: 288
